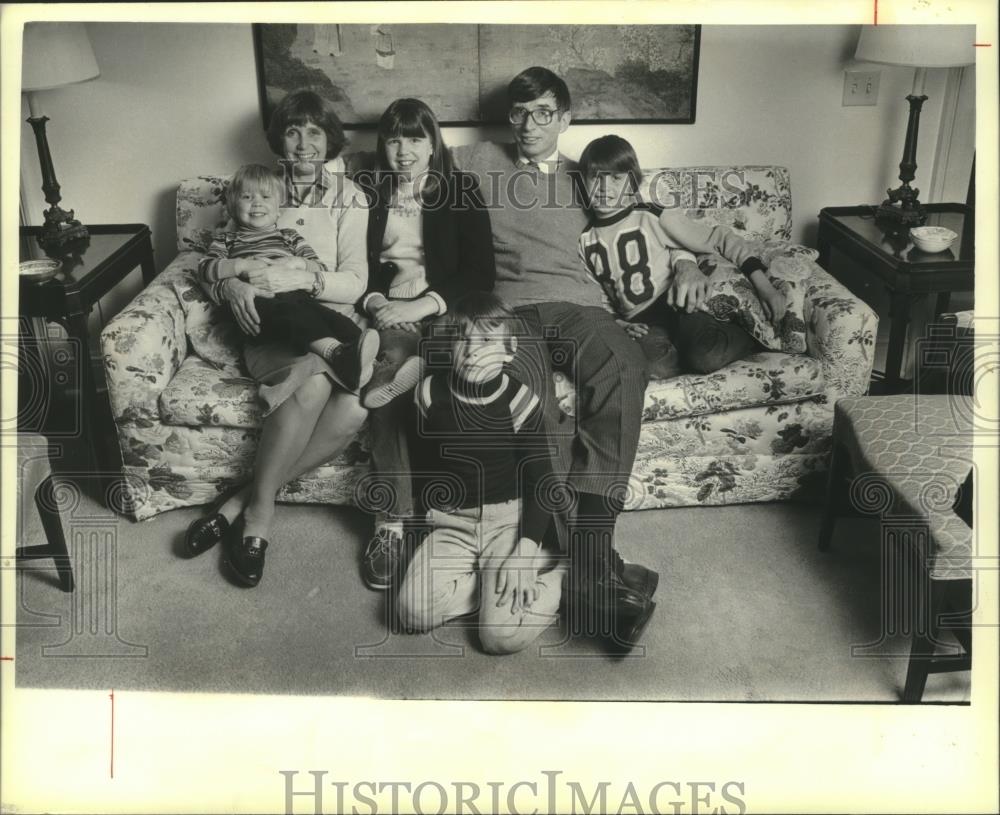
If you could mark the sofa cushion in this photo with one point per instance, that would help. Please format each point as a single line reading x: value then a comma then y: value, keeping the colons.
x: 211, y: 330
x: 754, y: 201
x: 200, y: 211
x: 732, y: 298
x: 200, y: 394
x: 767, y: 378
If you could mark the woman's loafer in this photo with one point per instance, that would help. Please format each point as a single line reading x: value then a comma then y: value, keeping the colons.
x: 245, y: 557
x: 204, y: 533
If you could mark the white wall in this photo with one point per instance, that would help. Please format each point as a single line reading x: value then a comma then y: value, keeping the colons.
x: 176, y: 100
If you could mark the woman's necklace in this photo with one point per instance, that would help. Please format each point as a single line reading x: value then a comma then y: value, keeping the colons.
x: 297, y: 194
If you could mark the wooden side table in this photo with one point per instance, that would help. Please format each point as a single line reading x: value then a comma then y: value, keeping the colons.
x: 890, y: 260
x: 35, y: 476
x: 91, y: 267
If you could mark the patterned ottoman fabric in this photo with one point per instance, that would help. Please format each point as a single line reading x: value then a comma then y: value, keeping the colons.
x: 910, y: 456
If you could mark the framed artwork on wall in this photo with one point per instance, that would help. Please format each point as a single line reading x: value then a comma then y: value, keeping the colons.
x: 616, y: 74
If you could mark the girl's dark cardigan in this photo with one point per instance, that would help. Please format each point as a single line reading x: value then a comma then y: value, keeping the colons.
x: 458, y: 241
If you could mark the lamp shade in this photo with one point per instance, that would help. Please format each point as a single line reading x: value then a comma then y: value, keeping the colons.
x: 56, y: 54
x: 920, y: 46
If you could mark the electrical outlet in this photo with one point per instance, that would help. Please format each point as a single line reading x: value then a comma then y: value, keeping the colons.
x: 861, y: 87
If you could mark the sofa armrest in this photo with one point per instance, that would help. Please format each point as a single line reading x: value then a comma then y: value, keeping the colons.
x: 840, y: 333
x: 143, y: 346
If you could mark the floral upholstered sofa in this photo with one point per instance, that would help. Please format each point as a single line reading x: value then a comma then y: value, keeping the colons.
x: 757, y: 430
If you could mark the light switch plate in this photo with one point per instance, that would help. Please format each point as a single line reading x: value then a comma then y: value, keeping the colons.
x: 861, y: 87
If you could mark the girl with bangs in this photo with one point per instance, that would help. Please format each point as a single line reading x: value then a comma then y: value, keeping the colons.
x: 429, y: 243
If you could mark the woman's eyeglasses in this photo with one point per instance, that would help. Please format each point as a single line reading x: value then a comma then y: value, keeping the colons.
x: 540, y: 116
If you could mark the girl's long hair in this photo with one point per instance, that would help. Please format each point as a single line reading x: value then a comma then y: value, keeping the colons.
x: 412, y: 118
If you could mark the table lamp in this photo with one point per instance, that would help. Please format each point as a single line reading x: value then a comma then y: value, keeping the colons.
x: 54, y: 55
x: 920, y: 47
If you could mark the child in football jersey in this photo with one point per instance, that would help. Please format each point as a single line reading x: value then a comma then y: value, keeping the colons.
x: 296, y: 318
x: 634, y: 249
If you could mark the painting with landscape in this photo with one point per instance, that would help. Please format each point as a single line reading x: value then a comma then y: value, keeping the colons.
x: 362, y: 68
x: 615, y: 73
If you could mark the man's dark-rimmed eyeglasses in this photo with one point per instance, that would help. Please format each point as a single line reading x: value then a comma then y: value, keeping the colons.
x: 540, y: 116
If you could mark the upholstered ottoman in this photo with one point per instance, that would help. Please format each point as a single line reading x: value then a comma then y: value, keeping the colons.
x: 911, y: 457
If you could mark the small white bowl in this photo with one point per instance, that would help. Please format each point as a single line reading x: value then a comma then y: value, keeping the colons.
x: 39, y: 271
x: 932, y: 238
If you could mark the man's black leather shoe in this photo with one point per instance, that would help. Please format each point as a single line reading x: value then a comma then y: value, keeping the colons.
x: 635, y: 576
x: 629, y: 629
x: 599, y: 608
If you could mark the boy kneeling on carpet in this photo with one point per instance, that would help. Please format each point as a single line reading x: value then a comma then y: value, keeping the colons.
x: 481, y: 430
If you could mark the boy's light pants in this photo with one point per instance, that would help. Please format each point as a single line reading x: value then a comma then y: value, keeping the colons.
x: 442, y: 580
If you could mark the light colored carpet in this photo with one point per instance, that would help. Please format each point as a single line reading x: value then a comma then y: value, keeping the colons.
x: 748, y: 610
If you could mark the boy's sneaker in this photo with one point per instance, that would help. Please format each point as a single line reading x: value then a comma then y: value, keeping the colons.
x: 354, y: 362
x: 387, y: 383
x: 382, y: 560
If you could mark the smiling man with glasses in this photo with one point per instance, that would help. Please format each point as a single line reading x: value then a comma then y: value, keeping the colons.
x: 536, y: 219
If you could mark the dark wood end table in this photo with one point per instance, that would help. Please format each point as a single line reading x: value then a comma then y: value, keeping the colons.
x: 91, y: 267
x: 891, y: 260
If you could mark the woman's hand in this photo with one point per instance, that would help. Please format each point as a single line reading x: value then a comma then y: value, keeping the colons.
x: 239, y: 296
x: 398, y: 313
x: 771, y: 299
x: 517, y: 577
x: 281, y: 275
x: 689, y: 287
x: 634, y: 330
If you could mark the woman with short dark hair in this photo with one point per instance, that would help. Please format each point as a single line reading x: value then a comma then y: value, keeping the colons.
x: 310, y: 415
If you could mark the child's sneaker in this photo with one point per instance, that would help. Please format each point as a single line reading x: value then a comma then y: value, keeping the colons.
x: 353, y: 363
x: 391, y: 384
x: 383, y: 559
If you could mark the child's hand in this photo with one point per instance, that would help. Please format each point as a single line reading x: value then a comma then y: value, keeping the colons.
x: 397, y: 313
x: 634, y: 330
x: 688, y: 288
x: 517, y: 577
x: 772, y: 300
x: 244, y: 266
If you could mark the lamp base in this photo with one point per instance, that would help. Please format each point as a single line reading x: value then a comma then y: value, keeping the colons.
x: 60, y: 227
x: 901, y: 208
